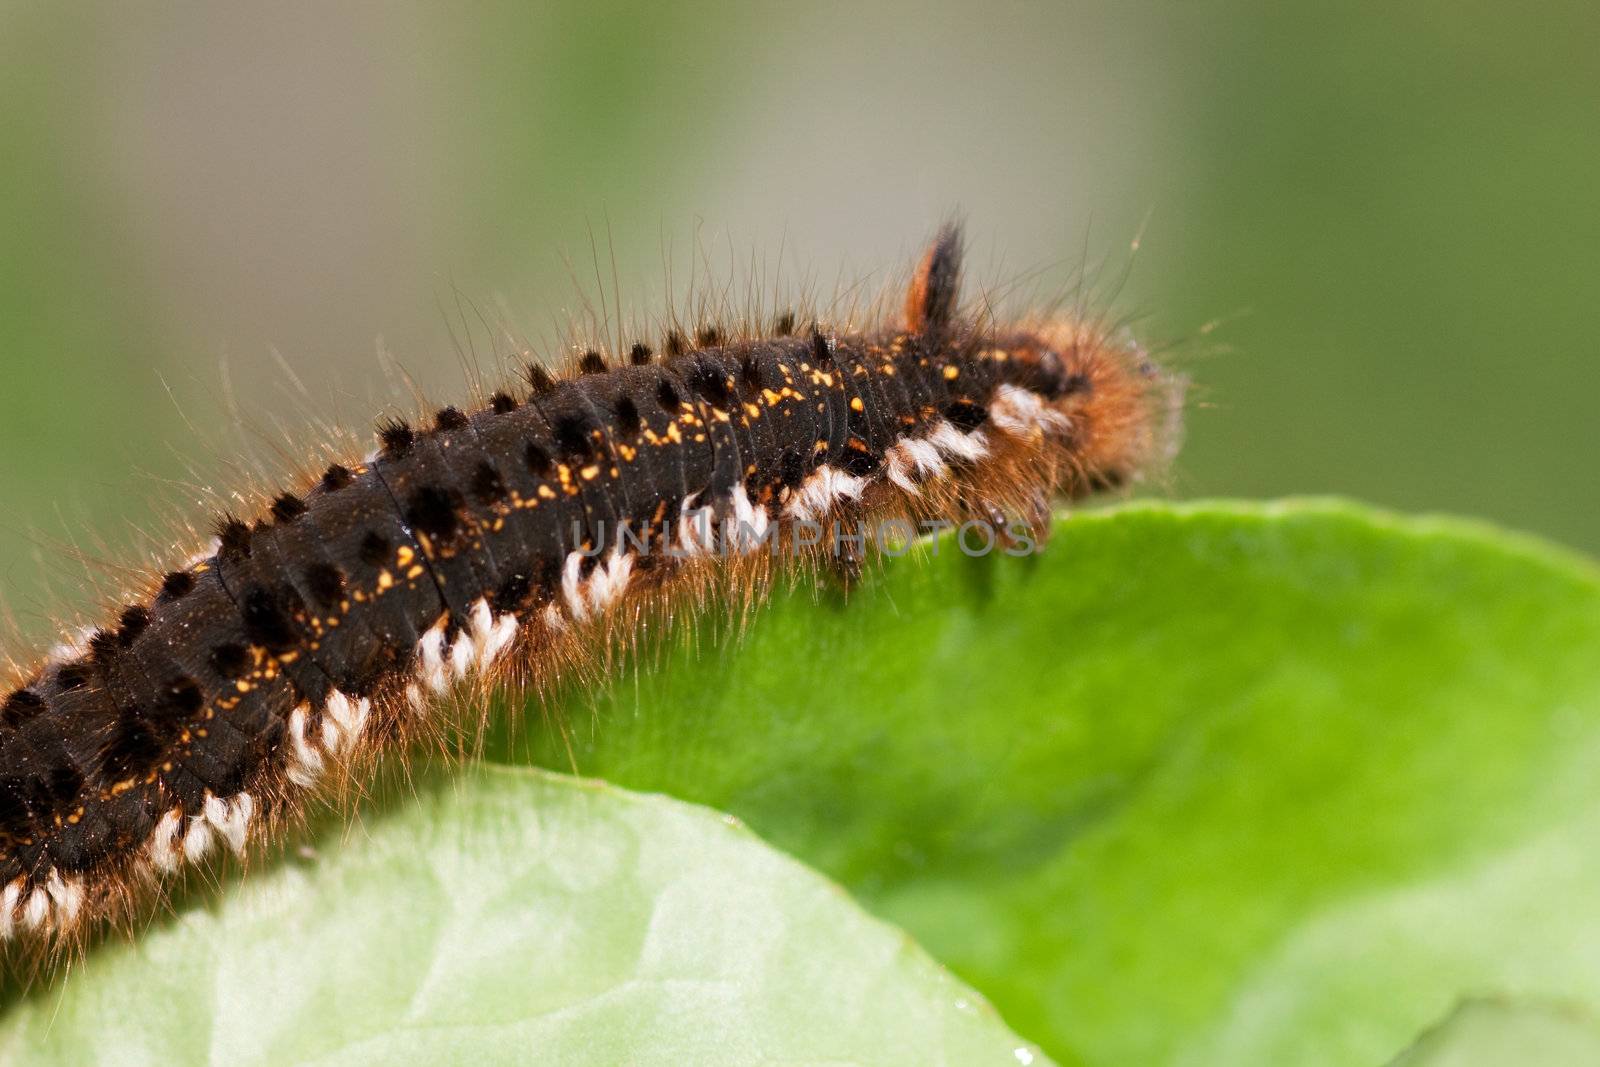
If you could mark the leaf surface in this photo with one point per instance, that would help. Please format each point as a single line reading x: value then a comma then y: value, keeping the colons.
x: 515, y: 917
x: 1209, y: 784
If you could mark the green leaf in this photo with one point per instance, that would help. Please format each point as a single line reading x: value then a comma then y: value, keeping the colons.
x: 515, y: 917
x: 1218, y: 784
x: 1491, y: 1033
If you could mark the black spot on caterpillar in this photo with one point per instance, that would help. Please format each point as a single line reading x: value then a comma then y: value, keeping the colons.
x: 492, y: 543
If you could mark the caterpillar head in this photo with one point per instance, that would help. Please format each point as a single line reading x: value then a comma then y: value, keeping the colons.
x: 1115, y: 414
x: 1108, y: 412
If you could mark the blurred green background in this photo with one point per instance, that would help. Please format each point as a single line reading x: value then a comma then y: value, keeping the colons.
x: 1389, y: 210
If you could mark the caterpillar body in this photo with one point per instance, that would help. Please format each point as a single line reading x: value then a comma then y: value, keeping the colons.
x: 493, y: 543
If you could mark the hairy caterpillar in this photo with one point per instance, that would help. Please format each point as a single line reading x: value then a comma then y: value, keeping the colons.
x: 495, y: 545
